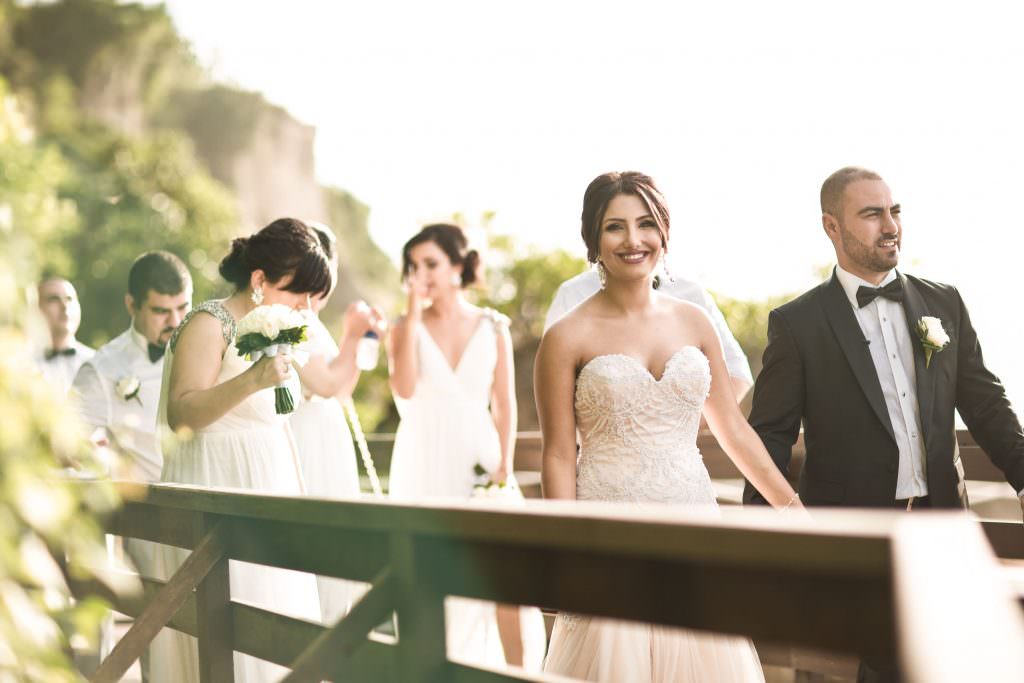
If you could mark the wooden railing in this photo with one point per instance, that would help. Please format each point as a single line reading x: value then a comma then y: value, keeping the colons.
x: 925, y: 588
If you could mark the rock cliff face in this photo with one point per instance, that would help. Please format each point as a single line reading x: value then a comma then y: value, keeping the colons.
x: 257, y: 149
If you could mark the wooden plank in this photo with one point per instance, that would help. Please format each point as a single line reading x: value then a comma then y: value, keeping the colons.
x: 328, y: 654
x: 258, y: 632
x: 139, y: 519
x: 421, y: 624
x: 977, y: 464
x: 327, y: 551
x: 957, y: 618
x: 133, y: 604
x: 213, y: 617
x: 776, y: 604
x: 282, y: 639
x: 1006, y: 538
x: 158, y: 612
x: 458, y: 672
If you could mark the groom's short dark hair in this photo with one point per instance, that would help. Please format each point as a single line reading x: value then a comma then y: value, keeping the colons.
x: 159, y: 271
x: 833, y: 187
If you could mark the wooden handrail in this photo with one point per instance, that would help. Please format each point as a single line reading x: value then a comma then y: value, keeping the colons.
x: 977, y: 465
x: 829, y: 582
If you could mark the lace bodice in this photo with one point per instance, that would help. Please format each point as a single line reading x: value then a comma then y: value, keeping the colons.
x: 638, y: 433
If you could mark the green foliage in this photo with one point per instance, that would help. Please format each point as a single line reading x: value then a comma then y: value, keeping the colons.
x: 748, y: 321
x: 254, y: 341
x: 90, y: 39
x: 364, y: 272
x: 48, y: 530
x: 522, y: 285
x: 133, y: 195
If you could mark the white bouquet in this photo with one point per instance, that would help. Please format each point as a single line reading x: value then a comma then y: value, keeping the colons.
x: 493, y: 491
x: 263, y: 332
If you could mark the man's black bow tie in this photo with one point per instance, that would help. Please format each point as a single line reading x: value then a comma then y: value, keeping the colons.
x: 50, y: 354
x: 156, y: 352
x: 892, y: 291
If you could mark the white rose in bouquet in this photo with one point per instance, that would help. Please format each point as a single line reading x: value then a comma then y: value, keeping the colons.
x: 932, y: 335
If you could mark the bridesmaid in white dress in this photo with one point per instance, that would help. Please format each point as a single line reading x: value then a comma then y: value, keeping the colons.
x: 322, y: 438
x: 237, y: 439
x: 454, y: 385
x: 629, y: 369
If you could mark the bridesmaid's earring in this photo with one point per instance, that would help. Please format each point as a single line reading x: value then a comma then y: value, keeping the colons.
x: 456, y: 280
x: 257, y: 296
x: 602, y: 275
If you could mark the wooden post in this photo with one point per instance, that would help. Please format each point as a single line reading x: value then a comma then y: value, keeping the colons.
x: 422, y: 657
x: 209, y: 552
x: 213, y: 618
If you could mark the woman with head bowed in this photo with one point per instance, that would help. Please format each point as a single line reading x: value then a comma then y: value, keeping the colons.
x: 221, y: 428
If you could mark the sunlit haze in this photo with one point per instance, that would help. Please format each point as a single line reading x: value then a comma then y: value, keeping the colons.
x: 738, y: 110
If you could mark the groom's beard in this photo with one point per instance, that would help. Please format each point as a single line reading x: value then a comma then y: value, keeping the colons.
x: 871, y: 256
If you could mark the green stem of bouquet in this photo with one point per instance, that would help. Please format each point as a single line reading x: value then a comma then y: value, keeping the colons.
x: 283, y: 401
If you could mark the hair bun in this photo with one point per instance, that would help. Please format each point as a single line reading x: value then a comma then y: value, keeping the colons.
x: 233, y: 267
x: 471, y: 268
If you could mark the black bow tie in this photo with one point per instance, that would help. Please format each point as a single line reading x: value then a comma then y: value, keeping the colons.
x: 50, y: 354
x: 156, y: 352
x: 892, y: 291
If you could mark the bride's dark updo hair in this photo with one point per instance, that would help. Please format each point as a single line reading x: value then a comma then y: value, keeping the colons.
x: 452, y: 242
x: 606, y: 187
x: 285, y: 247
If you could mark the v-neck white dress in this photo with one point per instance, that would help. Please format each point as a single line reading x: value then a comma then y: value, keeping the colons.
x: 446, y: 427
x: 445, y: 431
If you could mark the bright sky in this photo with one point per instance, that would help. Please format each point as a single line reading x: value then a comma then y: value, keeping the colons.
x: 738, y: 110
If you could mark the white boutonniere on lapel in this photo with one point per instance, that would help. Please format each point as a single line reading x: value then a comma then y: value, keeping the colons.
x: 933, y: 337
x: 128, y: 388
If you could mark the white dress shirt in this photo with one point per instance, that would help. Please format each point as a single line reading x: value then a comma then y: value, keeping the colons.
x: 130, y: 424
x: 574, y: 291
x: 884, y: 325
x: 61, y: 369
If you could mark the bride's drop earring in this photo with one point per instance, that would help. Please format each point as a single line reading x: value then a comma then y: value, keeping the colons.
x: 257, y: 296
x: 456, y: 280
x: 664, y: 268
x: 602, y: 275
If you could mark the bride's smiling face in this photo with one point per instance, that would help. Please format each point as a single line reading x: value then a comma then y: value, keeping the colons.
x: 631, y: 240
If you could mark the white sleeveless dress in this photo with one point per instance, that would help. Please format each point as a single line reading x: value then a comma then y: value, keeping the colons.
x: 446, y: 429
x: 249, y: 447
x: 639, y: 445
x: 328, y: 461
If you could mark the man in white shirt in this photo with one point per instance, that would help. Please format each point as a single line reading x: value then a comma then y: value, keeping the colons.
x: 62, y: 311
x: 575, y: 290
x: 119, y: 388
x: 874, y: 363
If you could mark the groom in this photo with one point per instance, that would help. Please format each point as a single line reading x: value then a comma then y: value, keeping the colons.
x: 874, y: 386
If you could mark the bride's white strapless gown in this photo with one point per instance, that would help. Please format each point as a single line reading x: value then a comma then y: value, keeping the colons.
x: 639, y: 445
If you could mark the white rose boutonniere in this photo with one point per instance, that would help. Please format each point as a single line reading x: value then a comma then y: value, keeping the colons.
x: 128, y: 388
x: 933, y: 337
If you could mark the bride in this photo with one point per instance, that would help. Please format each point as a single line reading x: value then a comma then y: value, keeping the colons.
x: 237, y: 439
x: 631, y: 370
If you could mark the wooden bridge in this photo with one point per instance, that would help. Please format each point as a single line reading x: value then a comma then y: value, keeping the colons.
x: 929, y: 588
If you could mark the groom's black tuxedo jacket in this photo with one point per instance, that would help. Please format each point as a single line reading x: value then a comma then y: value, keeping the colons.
x: 818, y: 370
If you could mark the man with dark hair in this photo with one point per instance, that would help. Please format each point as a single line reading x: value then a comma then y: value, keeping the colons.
x: 62, y: 311
x: 119, y: 388
x: 874, y: 363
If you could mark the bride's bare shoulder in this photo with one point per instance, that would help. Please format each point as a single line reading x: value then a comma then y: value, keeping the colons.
x: 567, y: 336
